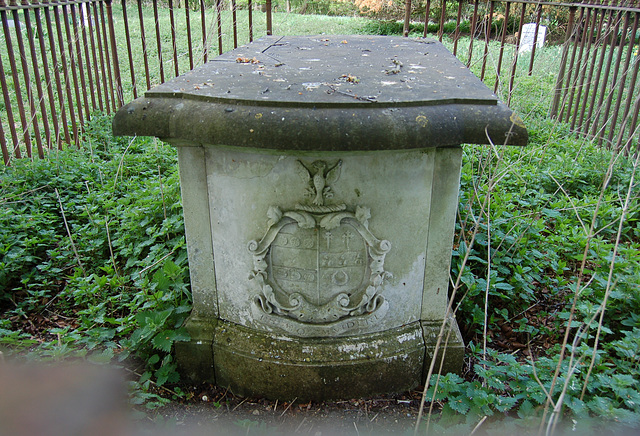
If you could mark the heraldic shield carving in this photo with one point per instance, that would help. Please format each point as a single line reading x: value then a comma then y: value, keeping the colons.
x: 318, y: 269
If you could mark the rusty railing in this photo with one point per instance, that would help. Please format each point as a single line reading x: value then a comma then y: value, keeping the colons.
x: 61, y: 61
x: 596, y: 89
x: 52, y: 76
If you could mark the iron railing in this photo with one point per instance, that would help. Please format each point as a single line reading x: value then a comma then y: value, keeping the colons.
x: 56, y: 66
x: 596, y: 90
x: 62, y: 61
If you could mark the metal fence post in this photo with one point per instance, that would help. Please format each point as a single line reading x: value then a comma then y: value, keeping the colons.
x: 563, y: 64
x: 114, y: 54
x: 407, y: 18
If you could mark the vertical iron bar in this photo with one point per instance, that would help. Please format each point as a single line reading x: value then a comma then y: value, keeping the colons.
x: 158, y: 44
x: 174, y: 44
x: 426, y: 19
x: 407, y: 18
x: 36, y: 76
x: 535, y: 38
x: 203, y: 20
x: 443, y: 16
x: 514, y: 65
x: 76, y: 38
x: 143, y: 39
x: 579, y: 109
x: 219, y: 24
x: 269, y: 18
x: 47, y: 77
x: 127, y: 36
x: 234, y: 16
x: 189, y: 39
x: 502, y: 43
x: 456, y: 35
x: 6, y: 156
x: 487, y: 37
x: 62, y: 91
x: 7, y: 101
x: 558, y: 89
x: 250, y: 11
x: 474, y: 22
x: 16, y: 82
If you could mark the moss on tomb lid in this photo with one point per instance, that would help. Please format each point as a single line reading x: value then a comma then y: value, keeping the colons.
x: 326, y: 93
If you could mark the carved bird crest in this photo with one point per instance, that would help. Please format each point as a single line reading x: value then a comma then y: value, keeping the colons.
x: 318, y: 177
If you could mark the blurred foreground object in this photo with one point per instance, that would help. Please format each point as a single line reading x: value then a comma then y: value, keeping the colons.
x: 62, y: 400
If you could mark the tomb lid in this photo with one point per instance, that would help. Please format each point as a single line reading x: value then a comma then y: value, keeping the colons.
x: 326, y: 92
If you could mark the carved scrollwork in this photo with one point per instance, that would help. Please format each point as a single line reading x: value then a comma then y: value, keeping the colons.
x: 319, y: 264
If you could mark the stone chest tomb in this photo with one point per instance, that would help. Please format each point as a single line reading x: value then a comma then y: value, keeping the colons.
x: 319, y: 180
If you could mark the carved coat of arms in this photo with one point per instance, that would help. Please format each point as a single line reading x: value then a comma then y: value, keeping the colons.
x: 318, y: 269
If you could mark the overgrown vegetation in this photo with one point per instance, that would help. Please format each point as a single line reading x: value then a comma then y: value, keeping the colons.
x: 546, y: 259
x: 92, y: 256
x: 546, y: 270
x: 94, y: 266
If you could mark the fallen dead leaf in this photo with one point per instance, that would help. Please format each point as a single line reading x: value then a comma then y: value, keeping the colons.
x: 242, y: 60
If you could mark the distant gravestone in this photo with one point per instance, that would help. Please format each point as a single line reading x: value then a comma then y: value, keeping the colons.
x: 84, y: 17
x: 529, y: 37
x: 14, y: 24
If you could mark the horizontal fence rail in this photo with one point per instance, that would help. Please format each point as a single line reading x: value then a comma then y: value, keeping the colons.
x: 62, y: 61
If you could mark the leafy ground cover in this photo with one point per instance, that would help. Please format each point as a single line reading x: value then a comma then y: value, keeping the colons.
x: 545, y: 284
x: 94, y: 267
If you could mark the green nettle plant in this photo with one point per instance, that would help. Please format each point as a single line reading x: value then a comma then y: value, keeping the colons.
x: 93, y: 260
x: 545, y: 277
x: 546, y: 286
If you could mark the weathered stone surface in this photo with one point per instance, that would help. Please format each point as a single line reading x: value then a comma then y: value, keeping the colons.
x: 252, y: 362
x: 320, y: 179
x: 449, y: 354
x: 327, y: 93
x: 252, y: 191
x: 196, y: 356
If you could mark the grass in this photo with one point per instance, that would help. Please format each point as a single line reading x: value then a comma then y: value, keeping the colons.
x: 94, y: 267
x: 545, y: 268
x: 283, y: 23
x: 188, y: 52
